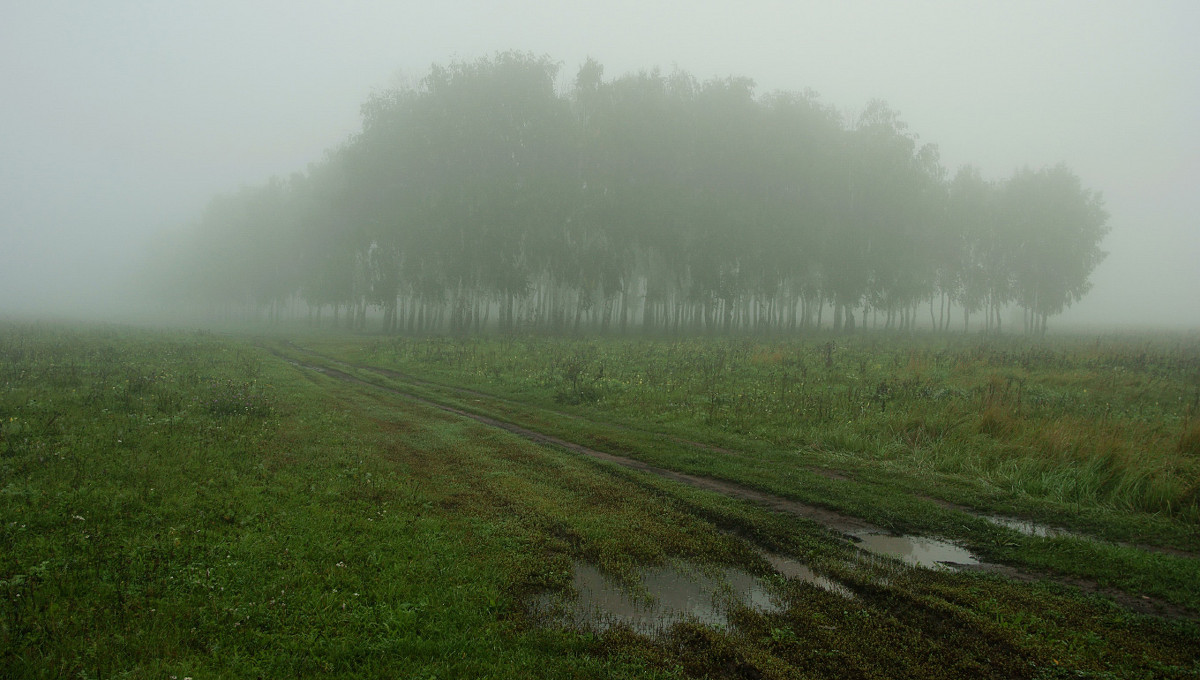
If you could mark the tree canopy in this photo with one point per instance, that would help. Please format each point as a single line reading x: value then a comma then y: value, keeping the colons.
x: 489, y: 196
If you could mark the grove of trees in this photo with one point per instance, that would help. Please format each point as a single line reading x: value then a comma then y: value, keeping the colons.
x: 489, y: 197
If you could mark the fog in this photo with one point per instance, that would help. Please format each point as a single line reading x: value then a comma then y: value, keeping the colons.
x: 121, y: 119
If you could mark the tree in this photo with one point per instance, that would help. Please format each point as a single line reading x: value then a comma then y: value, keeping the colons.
x: 1056, y: 226
x: 648, y: 199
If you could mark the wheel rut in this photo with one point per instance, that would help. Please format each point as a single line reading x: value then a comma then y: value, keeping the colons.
x: 835, y: 521
x: 848, y: 527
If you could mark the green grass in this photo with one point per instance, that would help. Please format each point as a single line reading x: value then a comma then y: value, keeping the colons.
x: 1105, y: 424
x: 191, y: 505
x: 176, y: 505
x: 893, y: 474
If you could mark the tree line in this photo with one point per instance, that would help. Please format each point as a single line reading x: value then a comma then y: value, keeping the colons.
x: 489, y: 196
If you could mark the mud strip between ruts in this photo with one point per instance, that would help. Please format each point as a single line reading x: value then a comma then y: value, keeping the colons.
x: 838, y: 522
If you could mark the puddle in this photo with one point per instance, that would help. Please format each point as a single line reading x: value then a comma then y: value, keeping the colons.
x: 794, y: 569
x: 913, y: 550
x: 1024, y: 526
x: 918, y: 551
x: 1027, y: 527
x: 684, y: 592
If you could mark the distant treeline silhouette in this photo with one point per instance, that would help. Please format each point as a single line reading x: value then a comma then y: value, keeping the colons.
x: 488, y: 197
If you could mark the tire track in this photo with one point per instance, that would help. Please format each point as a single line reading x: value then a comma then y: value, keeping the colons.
x: 843, y: 525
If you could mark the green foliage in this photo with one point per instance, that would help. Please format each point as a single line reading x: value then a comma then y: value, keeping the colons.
x: 229, y: 398
x: 336, y: 530
x: 649, y: 200
x: 1098, y: 423
x: 182, y: 505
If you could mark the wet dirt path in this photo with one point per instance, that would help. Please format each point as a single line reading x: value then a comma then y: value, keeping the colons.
x: 850, y: 528
x: 1028, y: 527
x: 397, y: 375
x: 836, y: 521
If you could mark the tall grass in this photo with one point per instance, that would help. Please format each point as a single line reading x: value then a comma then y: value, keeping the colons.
x: 1097, y: 421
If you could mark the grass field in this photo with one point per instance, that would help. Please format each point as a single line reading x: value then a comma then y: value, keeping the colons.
x: 197, y: 505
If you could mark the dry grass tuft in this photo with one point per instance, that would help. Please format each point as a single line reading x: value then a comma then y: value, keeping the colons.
x: 997, y: 420
x: 1189, y: 441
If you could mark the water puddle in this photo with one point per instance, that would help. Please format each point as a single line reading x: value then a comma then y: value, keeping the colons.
x: 918, y: 551
x: 596, y: 595
x: 794, y: 569
x: 1024, y: 526
x: 1027, y: 527
x: 667, y: 595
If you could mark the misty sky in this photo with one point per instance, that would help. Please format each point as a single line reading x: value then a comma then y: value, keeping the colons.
x: 119, y: 120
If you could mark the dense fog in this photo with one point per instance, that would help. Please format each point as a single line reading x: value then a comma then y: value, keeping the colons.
x: 124, y: 122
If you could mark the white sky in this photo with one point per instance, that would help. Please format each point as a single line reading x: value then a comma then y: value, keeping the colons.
x: 120, y: 119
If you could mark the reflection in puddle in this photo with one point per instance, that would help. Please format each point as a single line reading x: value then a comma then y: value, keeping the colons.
x: 668, y: 596
x: 1027, y: 527
x: 916, y: 550
x: 798, y: 570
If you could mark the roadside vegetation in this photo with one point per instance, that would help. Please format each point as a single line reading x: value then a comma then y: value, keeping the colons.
x: 187, y: 504
x: 1092, y: 437
x: 1095, y: 425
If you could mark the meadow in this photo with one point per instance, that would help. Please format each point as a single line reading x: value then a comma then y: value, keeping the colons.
x: 1101, y: 435
x: 198, y: 505
x: 1111, y: 423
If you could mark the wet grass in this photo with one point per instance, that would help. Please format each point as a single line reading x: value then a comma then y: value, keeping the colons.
x: 880, y: 472
x: 183, y: 505
x: 191, y: 505
x: 1106, y: 423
